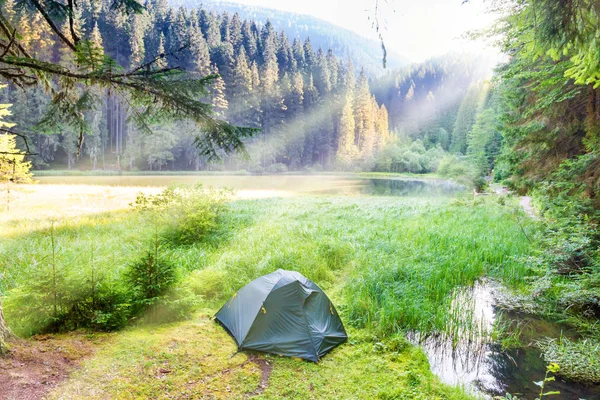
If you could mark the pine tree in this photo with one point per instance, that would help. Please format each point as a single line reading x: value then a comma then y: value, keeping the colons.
x: 225, y: 32
x: 217, y: 94
x: 249, y: 40
x: 465, y: 118
x: 161, y: 63
x: 332, y: 65
x: 13, y: 167
x: 309, y: 54
x: 363, y: 115
x: 382, y: 128
x: 211, y: 30
x: 136, y: 35
x: 235, y: 35
x: 199, y: 52
x: 298, y: 51
x: 241, y: 87
x: 321, y: 74
x: 347, y: 150
x: 311, y: 106
x: 223, y: 57
x: 285, y: 55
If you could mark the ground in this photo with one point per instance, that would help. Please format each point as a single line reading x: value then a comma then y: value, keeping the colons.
x: 197, y: 359
x: 36, y: 366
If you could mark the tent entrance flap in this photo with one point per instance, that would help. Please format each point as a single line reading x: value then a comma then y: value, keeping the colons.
x: 283, y: 313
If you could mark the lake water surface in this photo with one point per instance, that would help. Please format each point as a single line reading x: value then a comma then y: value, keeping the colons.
x: 278, y: 184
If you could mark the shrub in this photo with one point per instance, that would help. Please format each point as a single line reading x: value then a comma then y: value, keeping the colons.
x: 186, y: 214
x: 149, y: 279
x: 208, y: 283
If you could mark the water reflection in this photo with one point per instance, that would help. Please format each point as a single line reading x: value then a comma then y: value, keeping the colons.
x: 472, y: 360
x: 277, y: 185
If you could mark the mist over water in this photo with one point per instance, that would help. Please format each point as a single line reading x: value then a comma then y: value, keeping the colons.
x: 278, y: 185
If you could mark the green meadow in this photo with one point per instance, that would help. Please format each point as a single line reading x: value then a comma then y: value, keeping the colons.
x: 390, y: 264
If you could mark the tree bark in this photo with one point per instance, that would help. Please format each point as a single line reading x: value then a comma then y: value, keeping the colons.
x: 5, y: 333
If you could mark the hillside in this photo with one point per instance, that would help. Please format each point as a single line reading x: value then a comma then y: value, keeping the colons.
x: 344, y: 43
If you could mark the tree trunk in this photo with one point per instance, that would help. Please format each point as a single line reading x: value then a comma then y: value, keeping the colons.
x: 5, y: 333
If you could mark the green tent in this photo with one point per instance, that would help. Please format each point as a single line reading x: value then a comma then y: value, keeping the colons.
x: 283, y: 313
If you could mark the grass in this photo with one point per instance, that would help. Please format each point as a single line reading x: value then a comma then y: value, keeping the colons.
x: 390, y: 264
x: 197, y: 359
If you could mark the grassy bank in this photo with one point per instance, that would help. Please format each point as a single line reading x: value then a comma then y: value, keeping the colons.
x: 390, y: 264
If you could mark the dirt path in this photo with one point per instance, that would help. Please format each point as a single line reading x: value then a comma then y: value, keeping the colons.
x: 35, y: 366
x: 525, y: 202
x: 266, y: 370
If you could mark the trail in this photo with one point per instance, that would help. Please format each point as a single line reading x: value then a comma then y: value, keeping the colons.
x: 525, y: 202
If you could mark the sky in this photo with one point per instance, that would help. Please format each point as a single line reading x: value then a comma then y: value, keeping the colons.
x: 416, y: 29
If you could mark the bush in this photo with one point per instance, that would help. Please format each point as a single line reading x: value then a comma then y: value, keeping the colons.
x: 64, y: 300
x: 186, y: 214
x: 208, y: 283
x: 408, y: 157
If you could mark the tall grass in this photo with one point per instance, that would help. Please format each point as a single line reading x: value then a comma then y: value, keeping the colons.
x: 407, y: 279
x: 391, y: 264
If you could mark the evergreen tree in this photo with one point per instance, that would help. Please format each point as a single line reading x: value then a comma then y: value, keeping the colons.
x: 13, y: 167
x: 225, y: 33
x: 363, y: 115
x: 321, y: 74
x: 347, y: 150
x: 241, y: 87
x: 200, y: 55
x: 465, y: 118
x: 249, y: 40
x: 235, y: 35
x: 136, y: 39
x: 217, y: 94
x: 285, y: 55
x: 309, y: 55
x: 298, y: 51
x: 161, y: 62
x: 211, y: 30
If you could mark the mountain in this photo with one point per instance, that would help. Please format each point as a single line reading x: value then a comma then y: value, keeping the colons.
x: 344, y: 43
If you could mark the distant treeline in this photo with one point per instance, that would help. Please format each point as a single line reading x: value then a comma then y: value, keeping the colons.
x: 313, y: 109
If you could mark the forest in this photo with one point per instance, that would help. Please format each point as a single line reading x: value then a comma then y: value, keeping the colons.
x: 312, y: 108
x: 449, y: 208
x: 315, y: 109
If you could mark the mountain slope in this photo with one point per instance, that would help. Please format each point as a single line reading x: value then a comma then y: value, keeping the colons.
x: 344, y: 43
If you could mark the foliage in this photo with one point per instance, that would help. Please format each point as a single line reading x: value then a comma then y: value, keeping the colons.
x: 150, y: 278
x: 85, y: 69
x: 13, y: 166
x: 186, y: 214
x: 579, y: 360
x: 408, y: 157
x: 258, y: 79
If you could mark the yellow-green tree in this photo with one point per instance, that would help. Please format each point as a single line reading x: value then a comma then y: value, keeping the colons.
x: 13, y: 167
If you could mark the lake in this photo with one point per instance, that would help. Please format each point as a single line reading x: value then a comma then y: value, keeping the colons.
x: 278, y: 184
